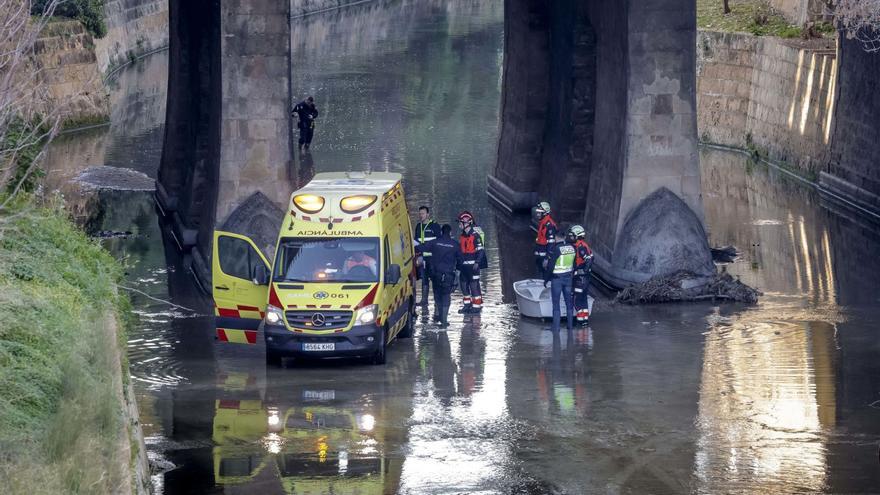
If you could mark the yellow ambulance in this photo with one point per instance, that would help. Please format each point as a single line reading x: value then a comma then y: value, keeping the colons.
x: 342, y: 280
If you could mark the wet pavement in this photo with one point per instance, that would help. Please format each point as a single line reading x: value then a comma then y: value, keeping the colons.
x: 781, y: 397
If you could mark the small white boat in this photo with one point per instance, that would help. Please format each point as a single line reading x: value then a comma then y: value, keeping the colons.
x: 533, y: 299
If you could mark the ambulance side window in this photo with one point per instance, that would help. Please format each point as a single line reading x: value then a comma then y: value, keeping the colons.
x: 237, y: 257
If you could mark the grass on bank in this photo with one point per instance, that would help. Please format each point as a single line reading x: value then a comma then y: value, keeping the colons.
x: 746, y: 16
x: 60, y: 415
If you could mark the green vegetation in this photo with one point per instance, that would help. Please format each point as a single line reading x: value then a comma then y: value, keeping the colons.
x: 746, y: 16
x: 89, y: 12
x: 60, y: 410
x: 80, y: 121
x: 20, y: 135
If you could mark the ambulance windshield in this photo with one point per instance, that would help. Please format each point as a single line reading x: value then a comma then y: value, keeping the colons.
x: 342, y: 259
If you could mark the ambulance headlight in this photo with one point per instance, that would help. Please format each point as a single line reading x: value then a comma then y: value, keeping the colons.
x: 366, y: 315
x: 357, y: 204
x: 309, y: 203
x: 274, y: 316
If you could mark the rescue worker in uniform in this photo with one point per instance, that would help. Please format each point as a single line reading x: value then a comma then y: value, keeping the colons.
x: 426, y: 231
x: 473, y: 256
x: 558, y: 272
x: 583, y: 262
x: 546, y: 234
x: 306, y: 113
x: 445, y: 257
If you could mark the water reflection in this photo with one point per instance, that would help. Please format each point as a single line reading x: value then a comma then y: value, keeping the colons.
x: 133, y: 139
x: 767, y: 402
x: 305, y: 433
x: 665, y: 399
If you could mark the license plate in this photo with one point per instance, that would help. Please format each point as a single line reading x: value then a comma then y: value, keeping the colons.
x: 319, y: 347
x: 319, y: 394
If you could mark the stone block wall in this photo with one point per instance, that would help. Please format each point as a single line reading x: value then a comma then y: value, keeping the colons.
x: 798, y: 12
x: 855, y: 139
x: 763, y: 92
x: 134, y: 27
x: 662, y: 116
x: 65, y: 56
x: 524, y: 94
x: 255, y: 139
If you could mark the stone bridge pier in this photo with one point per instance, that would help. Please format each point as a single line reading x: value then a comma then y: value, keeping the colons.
x: 227, y: 161
x: 598, y: 117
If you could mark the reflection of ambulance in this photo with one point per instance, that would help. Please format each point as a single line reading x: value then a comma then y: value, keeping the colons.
x: 342, y: 280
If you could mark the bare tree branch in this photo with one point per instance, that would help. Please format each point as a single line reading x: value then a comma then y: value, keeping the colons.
x: 859, y: 20
x: 28, y: 117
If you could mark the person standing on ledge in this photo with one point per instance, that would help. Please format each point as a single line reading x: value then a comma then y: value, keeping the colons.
x: 306, y: 112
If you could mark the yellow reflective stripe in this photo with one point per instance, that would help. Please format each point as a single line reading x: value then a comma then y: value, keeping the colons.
x: 235, y: 336
x: 242, y: 313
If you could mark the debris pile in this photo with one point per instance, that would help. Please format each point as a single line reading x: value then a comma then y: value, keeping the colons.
x: 685, y: 286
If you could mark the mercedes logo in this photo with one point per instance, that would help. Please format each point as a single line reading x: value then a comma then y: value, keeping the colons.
x: 318, y: 319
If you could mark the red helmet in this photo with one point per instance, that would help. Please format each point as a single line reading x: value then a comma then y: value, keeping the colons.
x: 466, y: 218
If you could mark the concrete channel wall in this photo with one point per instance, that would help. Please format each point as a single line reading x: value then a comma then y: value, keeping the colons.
x: 74, y: 63
x: 134, y: 28
x: 799, y: 11
x: 65, y: 55
x: 764, y: 93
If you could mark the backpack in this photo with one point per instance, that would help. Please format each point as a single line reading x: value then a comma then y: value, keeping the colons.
x: 484, y: 263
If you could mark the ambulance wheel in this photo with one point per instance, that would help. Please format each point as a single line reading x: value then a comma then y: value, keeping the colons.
x: 273, y: 358
x: 407, y: 331
x: 379, y: 357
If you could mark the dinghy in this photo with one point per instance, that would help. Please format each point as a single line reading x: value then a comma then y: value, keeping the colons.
x: 533, y: 299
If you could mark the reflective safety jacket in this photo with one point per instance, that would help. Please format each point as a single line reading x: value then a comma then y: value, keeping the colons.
x: 582, y: 255
x: 426, y: 232
x: 546, y: 232
x: 560, y: 260
x: 471, y: 244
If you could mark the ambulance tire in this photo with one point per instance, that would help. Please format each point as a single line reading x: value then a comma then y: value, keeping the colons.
x: 379, y: 357
x: 407, y: 331
x: 273, y: 358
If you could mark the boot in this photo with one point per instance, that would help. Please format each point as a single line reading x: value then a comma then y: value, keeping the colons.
x: 465, y: 309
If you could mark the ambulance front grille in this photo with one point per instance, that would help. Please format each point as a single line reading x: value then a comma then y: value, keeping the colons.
x: 333, y: 320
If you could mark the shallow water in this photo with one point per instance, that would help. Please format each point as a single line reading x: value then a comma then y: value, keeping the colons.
x: 780, y: 397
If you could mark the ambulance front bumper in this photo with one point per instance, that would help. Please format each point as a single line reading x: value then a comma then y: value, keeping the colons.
x: 361, y: 340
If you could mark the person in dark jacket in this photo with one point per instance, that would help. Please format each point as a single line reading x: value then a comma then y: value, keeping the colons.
x: 583, y: 262
x: 558, y: 271
x: 473, y: 257
x: 306, y: 112
x: 426, y: 231
x: 445, y: 257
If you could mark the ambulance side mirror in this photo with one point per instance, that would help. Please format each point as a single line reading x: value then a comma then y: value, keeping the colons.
x: 260, y: 275
x: 392, y: 275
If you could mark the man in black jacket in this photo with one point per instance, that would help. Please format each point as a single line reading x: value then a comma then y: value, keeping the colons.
x: 445, y: 257
x: 306, y: 112
x: 426, y: 231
